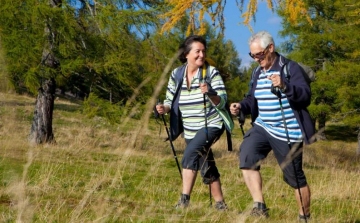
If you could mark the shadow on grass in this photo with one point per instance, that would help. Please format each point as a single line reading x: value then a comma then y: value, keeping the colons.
x: 58, y: 105
x: 15, y: 103
x: 66, y: 107
x: 75, y: 106
x: 341, y: 132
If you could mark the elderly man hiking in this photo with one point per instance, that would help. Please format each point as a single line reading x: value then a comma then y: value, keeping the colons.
x: 280, y: 122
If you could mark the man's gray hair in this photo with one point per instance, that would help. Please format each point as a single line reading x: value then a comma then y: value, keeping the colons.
x: 263, y: 37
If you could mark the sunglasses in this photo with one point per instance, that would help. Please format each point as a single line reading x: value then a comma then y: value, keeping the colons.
x: 260, y: 55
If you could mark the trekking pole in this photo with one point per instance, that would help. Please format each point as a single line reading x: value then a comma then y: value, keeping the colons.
x: 277, y: 92
x: 241, y: 119
x: 206, y: 128
x: 168, y: 133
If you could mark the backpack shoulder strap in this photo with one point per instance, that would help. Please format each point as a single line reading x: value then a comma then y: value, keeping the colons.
x: 286, y: 70
x: 176, y: 125
x: 179, y: 75
x: 255, y: 70
x: 308, y: 74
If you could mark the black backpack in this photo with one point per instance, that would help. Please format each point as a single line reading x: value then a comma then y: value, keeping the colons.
x: 307, y: 72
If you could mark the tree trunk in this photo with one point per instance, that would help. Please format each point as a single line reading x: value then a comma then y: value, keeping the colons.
x: 322, y: 121
x: 41, y: 128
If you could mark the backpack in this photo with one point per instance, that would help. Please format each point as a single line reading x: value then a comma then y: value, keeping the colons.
x: 307, y: 72
x: 228, y: 122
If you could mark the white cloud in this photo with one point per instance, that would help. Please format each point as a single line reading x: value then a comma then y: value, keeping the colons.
x: 246, y: 61
x: 274, y: 20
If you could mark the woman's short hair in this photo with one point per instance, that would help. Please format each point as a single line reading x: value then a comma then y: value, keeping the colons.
x: 263, y: 37
x: 185, y: 47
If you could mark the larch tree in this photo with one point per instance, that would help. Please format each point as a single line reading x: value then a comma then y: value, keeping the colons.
x: 332, y: 47
x: 199, y: 10
x: 322, y: 34
x: 112, y: 50
x: 41, y: 128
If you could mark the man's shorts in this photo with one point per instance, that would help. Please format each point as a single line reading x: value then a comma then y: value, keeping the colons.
x: 256, y: 146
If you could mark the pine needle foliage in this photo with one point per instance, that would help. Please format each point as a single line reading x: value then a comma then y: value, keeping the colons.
x: 110, y: 49
x: 198, y: 10
x: 21, y: 35
x: 99, y: 46
x: 94, y: 107
x: 295, y: 10
x: 330, y: 45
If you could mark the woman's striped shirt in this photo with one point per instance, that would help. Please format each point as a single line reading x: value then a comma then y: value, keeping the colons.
x: 191, y: 102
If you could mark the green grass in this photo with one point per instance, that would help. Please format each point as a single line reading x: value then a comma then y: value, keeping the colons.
x: 126, y: 173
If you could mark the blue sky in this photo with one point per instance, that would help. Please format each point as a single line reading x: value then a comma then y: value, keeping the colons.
x: 239, y: 34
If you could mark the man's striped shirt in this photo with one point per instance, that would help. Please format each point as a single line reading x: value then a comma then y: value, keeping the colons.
x: 270, y: 115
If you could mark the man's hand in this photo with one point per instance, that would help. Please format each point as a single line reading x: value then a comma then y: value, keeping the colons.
x: 235, y: 108
x: 276, y: 81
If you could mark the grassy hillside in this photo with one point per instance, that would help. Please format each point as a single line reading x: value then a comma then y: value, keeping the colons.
x: 127, y: 173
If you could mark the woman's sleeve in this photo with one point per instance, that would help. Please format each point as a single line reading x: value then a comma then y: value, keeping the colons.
x: 217, y: 84
x: 170, y: 90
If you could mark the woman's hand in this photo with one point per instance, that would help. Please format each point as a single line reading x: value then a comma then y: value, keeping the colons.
x: 162, y: 109
x: 204, y: 88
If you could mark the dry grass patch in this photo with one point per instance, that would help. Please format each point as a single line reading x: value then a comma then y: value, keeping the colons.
x: 127, y: 173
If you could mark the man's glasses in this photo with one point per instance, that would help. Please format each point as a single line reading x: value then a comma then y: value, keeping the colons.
x: 260, y: 55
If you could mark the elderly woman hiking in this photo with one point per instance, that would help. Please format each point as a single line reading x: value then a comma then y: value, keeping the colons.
x: 195, y: 114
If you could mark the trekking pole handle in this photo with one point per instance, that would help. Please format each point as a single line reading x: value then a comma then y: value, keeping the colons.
x: 158, y: 102
x: 156, y: 113
x: 241, y: 118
